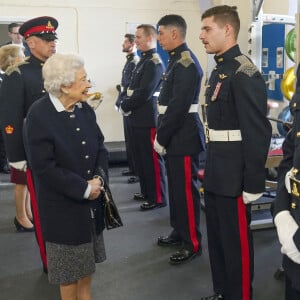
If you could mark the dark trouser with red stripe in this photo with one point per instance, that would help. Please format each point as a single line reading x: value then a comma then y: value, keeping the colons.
x: 184, y: 199
x: 150, y: 165
x: 230, y: 245
x: 36, y: 218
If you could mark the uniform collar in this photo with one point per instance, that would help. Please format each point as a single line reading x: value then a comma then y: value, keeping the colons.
x: 131, y: 55
x: 32, y: 59
x: 176, y: 52
x: 228, y: 55
x: 148, y: 53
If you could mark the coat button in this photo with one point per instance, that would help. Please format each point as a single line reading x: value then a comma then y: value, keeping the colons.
x: 83, y: 142
x: 77, y: 129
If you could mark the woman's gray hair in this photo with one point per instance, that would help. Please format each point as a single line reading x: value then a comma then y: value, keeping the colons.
x: 60, y: 70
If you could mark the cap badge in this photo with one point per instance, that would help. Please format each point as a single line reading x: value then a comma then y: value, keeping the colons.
x: 49, y: 25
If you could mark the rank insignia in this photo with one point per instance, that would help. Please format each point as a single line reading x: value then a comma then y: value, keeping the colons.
x: 9, y: 129
x: 222, y: 76
x: 216, y: 91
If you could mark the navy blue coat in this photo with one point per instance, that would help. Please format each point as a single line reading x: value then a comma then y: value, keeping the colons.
x: 19, y: 89
x: 64, y: 150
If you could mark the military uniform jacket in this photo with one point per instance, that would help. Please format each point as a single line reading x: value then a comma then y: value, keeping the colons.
x: 131, y: 61
x: 140, y: 100
x: 283, y: 201
x: 64, y: 151
x: 179, y: 131
x: 236, y: 99
x: 21, y: 86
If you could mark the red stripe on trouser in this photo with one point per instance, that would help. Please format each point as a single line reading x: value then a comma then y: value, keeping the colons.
x: 190, y: 202
x: 156, y: 167
x: 245, y: 256
x: 36, y: 216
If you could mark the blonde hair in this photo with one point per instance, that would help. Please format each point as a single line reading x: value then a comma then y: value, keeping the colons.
x: 8, y: 55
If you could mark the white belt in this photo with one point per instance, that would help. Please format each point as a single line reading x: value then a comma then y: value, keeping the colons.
x: 162, y: 108
x: 224, y: 135
x: 129, y: 92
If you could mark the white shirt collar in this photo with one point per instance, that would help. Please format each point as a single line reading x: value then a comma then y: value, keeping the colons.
x: 58, y: 105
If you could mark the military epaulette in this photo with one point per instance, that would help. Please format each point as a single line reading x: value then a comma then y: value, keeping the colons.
x: 156, y: 58
x: 15, y: 68
x: 185, y: 59
x: 246, y: 67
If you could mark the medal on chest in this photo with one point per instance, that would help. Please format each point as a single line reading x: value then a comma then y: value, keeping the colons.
x: 216, y: 91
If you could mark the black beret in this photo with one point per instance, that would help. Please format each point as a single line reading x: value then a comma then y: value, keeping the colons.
x: 43, y: 27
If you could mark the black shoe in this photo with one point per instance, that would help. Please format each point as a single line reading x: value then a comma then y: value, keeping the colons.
x: 213, y: 297
x: 5, y: 169
x: 149, y: 206
x: 139, y: 197
x: 183, y: 256
x: 167, y: 241
x: 21, y: 228
x: 133, y: 179
x: 127, y: 173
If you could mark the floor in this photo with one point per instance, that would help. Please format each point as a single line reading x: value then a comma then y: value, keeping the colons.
x: 136, y: 268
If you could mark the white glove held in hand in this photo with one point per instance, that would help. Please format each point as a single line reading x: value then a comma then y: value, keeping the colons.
x: 159, y: 148
x: 286, y: 229
x: 126, y: 114
x: 247, y: 197
x: 19, y: 165
x: 288, y: 175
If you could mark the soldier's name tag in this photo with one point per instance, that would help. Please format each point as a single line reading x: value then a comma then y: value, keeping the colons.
x: 216, y: 92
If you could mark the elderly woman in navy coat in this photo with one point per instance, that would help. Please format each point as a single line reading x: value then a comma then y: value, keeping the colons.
x: 65, y: 150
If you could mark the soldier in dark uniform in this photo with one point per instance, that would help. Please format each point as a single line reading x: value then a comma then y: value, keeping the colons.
x: 238, y: 135
x: 287, y: 202
x: 180, y: 136
x: 4, y: 168
x: 20, y: 88
x: 131, y: 61
x: 141, y: 106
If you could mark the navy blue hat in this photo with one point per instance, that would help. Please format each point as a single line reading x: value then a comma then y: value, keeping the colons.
x: 42, y: 27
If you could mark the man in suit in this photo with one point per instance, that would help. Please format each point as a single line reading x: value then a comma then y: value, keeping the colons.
x: 16, y: 37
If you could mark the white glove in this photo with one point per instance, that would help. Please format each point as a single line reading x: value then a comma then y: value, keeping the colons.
x: 288, y: 175
x: 247, y: 197
x: 286, y: 229
x: 159, y: 148
x: 126, y: 114
x: 19, y: 165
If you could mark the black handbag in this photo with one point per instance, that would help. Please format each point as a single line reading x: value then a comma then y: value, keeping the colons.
x: 112, y: 217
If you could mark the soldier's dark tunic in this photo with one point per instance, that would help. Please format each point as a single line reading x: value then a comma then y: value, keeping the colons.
x: 131, y: 61
x: 142, y: 104
x: 236, y: 100
x: 284, y: 200
x: 180, y: 132
x: 20, y: 88
x: 3, y: 159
